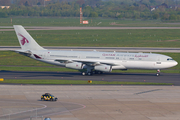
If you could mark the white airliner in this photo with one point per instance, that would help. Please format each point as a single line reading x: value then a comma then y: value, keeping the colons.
x: 91, y: 61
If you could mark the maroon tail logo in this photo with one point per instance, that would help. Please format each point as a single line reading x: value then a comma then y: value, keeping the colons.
x: 24, y: 40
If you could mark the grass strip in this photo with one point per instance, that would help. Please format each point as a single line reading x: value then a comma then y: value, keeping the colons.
x: 77, y: 82
x: 74, y: 21
x: 43, y: 69
x: 99, y: 38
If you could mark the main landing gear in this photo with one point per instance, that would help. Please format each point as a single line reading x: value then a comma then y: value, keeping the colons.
x: 158, y: 72
x: 91, y: 73
x: 87, y: 73
x: 83, y: 73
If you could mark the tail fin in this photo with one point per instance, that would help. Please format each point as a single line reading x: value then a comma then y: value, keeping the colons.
x: 25, y: 39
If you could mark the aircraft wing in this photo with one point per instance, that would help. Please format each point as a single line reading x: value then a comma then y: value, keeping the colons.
x: 64, y: 61
x: 87, y: 62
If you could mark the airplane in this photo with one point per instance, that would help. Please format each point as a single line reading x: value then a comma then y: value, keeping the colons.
x: 91, y: 62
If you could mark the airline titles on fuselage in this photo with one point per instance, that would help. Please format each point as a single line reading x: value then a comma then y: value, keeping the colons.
x: 109, y: 54
x: 105, y: 54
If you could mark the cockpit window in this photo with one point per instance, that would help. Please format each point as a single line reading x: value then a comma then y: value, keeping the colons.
x: 169, y: 59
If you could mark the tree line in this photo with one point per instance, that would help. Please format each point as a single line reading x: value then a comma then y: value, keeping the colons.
x: 131, y: 9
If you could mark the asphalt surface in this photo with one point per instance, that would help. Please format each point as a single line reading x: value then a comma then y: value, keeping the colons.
x: 40, y: 108
x: 82, y: 102
x: 125, y: 77
x: 111, y: 49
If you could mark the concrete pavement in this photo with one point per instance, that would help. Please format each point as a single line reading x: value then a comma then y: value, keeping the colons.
x: 94, y: 102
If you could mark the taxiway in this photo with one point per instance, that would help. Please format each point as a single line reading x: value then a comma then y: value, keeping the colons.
x: 125, y: 77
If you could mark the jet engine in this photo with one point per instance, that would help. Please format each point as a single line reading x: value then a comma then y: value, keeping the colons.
x: 74, y: 65
x: 104, y: 68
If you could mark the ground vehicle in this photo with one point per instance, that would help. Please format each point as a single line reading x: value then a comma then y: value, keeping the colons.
x: 48, y: 97
x: 47, y: 119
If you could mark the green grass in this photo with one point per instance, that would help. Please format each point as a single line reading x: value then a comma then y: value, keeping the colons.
x: 12, y: 61
x: 29, y: 68
x: 13, y: 58
x: 99, y: 38
x: 68, y: 21
x: 78, y: 82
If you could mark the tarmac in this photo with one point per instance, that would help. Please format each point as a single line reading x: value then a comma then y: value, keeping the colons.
x: 79, y: 102
x: 121, y: 77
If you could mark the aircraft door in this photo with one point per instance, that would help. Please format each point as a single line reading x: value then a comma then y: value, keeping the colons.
x: 45, y: 55
x: 158, y: 61
x: 124, y: 58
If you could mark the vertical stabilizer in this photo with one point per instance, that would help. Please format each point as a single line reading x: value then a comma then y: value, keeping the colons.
x: 25, y: 39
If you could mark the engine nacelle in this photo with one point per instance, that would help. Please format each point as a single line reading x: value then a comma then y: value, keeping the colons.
x: 74, y: 65
x: 104, y: 68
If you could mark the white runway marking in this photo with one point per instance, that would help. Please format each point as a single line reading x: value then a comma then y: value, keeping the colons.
x: 44, y: 106
x: 26, y: 110
x: 83, y: 106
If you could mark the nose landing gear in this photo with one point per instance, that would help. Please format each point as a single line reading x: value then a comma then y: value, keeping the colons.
x: 158, y: 72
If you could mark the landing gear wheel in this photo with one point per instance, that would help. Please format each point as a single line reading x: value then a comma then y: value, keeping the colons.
x: 89, y: 73
x: 83, y: 73
x: 99, y: 72
x: 157, y: 74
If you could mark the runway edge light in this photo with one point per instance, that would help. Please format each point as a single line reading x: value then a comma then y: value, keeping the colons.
x: 1, y: 79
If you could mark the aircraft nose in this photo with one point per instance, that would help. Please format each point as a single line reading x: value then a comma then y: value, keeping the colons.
x: 175, y: 63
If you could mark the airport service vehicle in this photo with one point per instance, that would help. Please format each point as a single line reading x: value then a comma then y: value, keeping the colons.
x: 91, y: 61
x: 48, y: 97
x: 47, y: 119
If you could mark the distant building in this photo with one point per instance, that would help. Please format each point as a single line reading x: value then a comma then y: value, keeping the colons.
x: 7, y: 7
x: 152, y: 9
x: 164, y: 5
x: 176, y: 6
